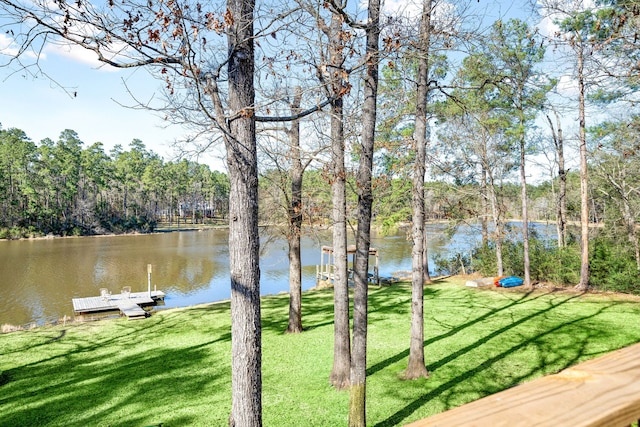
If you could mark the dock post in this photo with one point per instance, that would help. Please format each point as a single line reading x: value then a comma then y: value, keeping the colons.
x: 149, y: 279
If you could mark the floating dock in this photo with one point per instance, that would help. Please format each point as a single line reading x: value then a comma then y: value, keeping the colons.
x: 128, y: 303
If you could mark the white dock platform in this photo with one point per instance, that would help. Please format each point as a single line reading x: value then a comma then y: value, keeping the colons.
x: 129, y: 304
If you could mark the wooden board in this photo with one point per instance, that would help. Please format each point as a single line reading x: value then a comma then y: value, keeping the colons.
x: 601, y: 392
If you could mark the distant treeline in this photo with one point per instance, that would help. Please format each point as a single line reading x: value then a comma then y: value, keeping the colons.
x: 62, y: 188
x: 444, y: 201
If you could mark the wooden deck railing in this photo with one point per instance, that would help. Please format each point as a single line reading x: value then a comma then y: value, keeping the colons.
x: 600, y: 392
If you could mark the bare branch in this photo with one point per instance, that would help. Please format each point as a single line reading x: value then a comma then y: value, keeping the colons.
x: 294, y: 116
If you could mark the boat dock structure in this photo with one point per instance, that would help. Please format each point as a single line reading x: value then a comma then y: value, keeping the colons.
x: 128, y: 303
x: 325, y: 271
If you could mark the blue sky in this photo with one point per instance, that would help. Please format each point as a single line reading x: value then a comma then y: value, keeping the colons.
x: 43, y: 110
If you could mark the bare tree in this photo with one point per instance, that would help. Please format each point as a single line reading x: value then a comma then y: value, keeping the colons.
x: 342, y: 343
x: 284, y: 162
x: 295, y: 221
x: 584, y: 179
x: 561, y: 200
x: 333, y: 74
x: 244, y: 244
x: 416, y: 366
x: 357, y: 402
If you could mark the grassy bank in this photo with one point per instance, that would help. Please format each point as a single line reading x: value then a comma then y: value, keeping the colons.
x: 174, y: 367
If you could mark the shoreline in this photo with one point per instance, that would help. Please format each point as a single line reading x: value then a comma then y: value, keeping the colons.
x: 541, y: 287
x: 159, y: 230
x: 201, y: 227
x: 7, y: 328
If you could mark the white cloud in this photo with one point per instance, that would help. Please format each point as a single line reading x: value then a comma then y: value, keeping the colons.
x: 8, y: 47
x: 5, y: 42
x: 556, y: 10
x: 408, y: 9
x: 412, y: 10
x: 72, y: 51
x: 61, y: 48
x: 547, y: 26
x: 77, y: 54
x: 406, y: 16
x: 567, y: 86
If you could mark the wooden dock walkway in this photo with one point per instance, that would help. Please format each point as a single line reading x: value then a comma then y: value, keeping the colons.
x: 129, y: 304
x: 600, y: 392
x: 131, y: 309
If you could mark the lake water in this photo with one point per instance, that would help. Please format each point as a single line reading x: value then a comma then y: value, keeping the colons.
x: 38, y: 278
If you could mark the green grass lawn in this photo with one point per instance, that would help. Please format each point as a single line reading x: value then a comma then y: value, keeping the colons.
x: 174, y: 367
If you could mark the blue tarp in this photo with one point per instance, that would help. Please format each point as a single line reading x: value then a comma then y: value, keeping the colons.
x: 511, y: 281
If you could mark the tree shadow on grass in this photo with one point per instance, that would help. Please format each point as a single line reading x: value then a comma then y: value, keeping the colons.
x: 317, y: 311
x: 137, y: 378
x: 394, y: 299
x: 317, y: 306
x: 399, y: 416
x: 452, y: 331
x: 473, y: 377
x: 498, y: 332
x: 144, y: 330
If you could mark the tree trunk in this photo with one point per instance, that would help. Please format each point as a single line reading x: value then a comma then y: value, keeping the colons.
x: 357, y: 396
x: 562, y: 186
x: 193, y: 209
x: 525, y: 212
x: 627, y: 215
x: 630, y: 225
x: 124, y: 201
x: 584, y: 190
x: 341, y: 346
x: 561, y: 200
x: 244, y: 245
x: 497, y: 219
x: 484, y: 205
x: 295, y: 222
x: 416, y: 366
x: 425, y: 258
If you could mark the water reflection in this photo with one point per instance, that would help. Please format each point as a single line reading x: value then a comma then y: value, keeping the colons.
x: 38, y: 278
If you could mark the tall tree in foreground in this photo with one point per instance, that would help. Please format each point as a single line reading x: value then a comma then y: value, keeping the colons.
x: 244, y: 244
x: 176, y: 42
x: 338, y: 85
x: 416, y: 366
x: 357, y: 401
